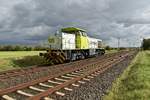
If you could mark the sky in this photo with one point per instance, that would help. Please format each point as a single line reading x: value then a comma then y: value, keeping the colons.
x: 32, y: 21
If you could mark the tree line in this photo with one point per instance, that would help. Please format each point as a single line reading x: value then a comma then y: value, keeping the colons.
x: 21, y: 48
x: 146, y: 44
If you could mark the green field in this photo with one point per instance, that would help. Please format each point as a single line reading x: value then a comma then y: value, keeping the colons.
x: 18, y: 59
x: 17, y: 54
x: 134, y: 83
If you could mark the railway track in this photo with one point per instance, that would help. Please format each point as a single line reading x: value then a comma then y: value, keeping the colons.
x: 45, y: 87
x: 21, y: 72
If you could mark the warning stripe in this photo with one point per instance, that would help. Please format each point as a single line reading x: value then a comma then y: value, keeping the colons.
x: 62, y: 57
x: 55, y: 56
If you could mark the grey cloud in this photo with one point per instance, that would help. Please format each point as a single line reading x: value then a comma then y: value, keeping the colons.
x: 33, y: 20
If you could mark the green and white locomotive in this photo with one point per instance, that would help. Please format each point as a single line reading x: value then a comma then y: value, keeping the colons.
x: 71, y: 44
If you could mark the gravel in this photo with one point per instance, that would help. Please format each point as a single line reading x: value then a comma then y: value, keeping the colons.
x: 99, y: 86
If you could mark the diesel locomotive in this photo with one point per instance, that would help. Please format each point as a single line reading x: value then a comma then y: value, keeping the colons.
x: 71, y: 44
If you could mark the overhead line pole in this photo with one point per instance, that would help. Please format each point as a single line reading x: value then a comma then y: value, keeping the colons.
x: 118, y: 43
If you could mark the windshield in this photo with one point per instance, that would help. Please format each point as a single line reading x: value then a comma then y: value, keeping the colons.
x: 84, y: 34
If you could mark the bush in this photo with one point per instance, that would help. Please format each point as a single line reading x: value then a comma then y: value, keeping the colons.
x: 21, y: 48
x: 29, y: 61
x: 107, y: 48
x: 146, y: 44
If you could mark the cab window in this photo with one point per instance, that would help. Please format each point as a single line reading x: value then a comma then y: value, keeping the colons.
x: 84, y: 34
x: 79, y: 33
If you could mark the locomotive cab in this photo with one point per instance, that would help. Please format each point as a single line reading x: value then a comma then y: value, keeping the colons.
x: 81, y: 39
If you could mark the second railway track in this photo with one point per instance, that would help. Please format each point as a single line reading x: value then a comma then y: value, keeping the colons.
x: 45, y: 87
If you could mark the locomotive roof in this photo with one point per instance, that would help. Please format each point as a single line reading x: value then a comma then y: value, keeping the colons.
x: 71, y: 29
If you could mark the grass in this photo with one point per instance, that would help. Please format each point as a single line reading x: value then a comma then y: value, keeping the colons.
x: 134, y: 83
x: 17, y: 54
x: 111, y: 51
x: 18, y: 59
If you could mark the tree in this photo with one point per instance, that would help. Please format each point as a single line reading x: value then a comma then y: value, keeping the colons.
x: 107, y: 48
x: 146, y: 44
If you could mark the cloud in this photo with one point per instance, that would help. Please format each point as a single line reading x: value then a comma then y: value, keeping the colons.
x: 32, y: 21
